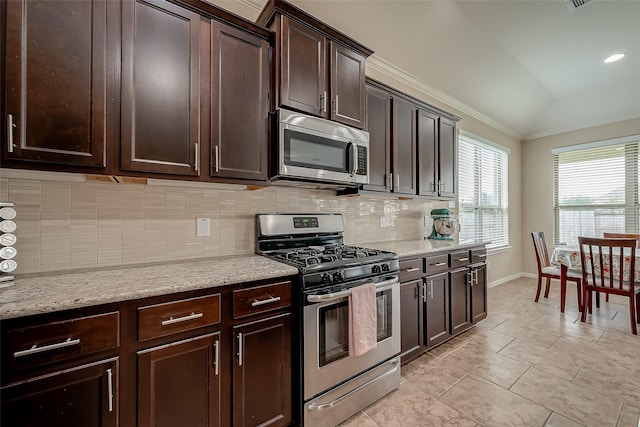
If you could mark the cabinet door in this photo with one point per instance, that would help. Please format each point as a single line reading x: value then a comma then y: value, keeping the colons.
x: 378, y: 125
x: 239, y: 103
x: 160, y: 88
x: 56, y: 62
x: 303, y: 82
x: 437, y: 309
x: 479, y: 293
x: 347, y: 86
x: 179, y: 384
x: 262, y: 373
x: 411, y: 318
x: 460, y: 299
x: 447, y: 157
x: 404, y: 147
x: 427, y: 154
x: 81, y: 397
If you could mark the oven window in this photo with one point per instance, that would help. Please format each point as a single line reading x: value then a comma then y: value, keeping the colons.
x: 311, y: 151
x: 334, y: 327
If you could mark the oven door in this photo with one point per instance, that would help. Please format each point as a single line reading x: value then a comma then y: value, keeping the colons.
x: 321, y: 150
x: 326, y: 337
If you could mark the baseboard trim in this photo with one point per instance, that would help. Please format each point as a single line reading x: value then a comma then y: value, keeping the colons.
x: 506, y: 279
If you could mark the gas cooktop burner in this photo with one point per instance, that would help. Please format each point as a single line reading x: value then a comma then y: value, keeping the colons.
x: 322, y: 254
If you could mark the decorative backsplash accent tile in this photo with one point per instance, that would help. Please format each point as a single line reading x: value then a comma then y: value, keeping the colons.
x: 66, y: 225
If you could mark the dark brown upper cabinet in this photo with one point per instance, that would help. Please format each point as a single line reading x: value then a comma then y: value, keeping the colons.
x: 160, y: 117
x: 378, y: 125
x: 404, y: 147
x: 437, y: 162
x: 56, y: 81
x: 239, y: 103
x: 318, y: 70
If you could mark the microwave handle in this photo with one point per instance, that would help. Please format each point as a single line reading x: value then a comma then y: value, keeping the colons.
x: 354, y: 159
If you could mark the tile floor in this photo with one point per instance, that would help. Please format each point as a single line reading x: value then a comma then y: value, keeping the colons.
x: 526, y: 364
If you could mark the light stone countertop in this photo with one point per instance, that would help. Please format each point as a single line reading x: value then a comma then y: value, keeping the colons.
x: 405, y: 248
x: 61, y: 291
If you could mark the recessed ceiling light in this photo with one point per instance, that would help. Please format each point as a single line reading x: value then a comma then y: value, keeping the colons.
x: 615, y: 57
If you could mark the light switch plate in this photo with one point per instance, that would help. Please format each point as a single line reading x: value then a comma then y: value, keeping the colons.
x: 203, y: 227
x: 452, y: 203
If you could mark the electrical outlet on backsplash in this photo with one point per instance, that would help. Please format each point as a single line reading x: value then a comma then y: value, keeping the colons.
x: 71, y: 225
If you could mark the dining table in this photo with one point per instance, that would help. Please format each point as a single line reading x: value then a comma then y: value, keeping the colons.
x: 568, y: 258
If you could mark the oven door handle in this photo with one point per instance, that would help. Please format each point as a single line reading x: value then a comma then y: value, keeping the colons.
x: 382, y: 286
x: 331, y: 404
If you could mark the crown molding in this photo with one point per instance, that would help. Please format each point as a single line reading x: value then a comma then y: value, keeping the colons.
x: 579, y: 127
x: 376, y: 63
x: 250, y: 5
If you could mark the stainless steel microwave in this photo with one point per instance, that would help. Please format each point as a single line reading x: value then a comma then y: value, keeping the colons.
x: 319, y: 150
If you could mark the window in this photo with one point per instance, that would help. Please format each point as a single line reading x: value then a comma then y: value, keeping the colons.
x: 596, y: 189
x: 483, y: 192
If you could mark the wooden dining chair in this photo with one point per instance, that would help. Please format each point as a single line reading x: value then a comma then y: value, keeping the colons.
x: 599, y: 257
x: 548, y: 271
x: 621, y: 236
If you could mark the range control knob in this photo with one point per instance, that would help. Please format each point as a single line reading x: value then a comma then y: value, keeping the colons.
x: 376, y: 269
x: 338, y: 276
x: 326, y: 278
x: 385, y: 267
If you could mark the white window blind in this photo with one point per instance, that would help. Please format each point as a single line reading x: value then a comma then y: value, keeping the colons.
x: 483, y: 192
x: 595, y: 191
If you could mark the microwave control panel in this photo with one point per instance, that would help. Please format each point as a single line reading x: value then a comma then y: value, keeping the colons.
x: 362, y: 161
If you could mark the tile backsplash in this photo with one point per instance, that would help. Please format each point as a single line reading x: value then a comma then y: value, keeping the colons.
x: 74, y: 225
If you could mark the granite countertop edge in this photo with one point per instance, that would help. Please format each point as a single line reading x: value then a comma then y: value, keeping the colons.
x: 408, y: 248
x: 58, y: 291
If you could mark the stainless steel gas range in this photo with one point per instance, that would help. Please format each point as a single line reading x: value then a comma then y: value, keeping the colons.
x: 332, y: 384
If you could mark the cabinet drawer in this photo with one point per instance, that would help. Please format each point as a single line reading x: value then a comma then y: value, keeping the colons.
x: 260, y: 299
x: 478, y: 255
x: 177, y: 316
x: 459, y: 258
x: 411, y: 269
x: 437, y: 263
x: 57, y: 341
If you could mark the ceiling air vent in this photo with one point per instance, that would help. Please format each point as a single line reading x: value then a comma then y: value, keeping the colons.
x: 574, y: 4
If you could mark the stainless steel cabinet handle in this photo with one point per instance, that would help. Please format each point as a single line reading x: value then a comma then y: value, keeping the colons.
x: 336, y: 110
x: 481, y: 255
x: 475, y: 277
x: 323, y: 99
x: 35, y: 349
x: 411, y: 270
x: 10, y: 126
x: 382, y: 286
x: 442, y: 189
x: 439, y: 264
x: 320, y: 407
x: 240, y: 349
x: 216, y: 360
x: 217, y: 163
x: 424, y: 291
x: 171, y: 320
x: 463, y: 259
x: 470, y: 278
x: 391, y: 185
x: 397, y: 181
x: 431, y: 288
x: 269, y: 300
x: 387, y: 181
x: 197, y: 164
x: 110, y: 388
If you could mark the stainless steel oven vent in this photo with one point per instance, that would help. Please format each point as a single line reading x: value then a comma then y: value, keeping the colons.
x: 574, y: 4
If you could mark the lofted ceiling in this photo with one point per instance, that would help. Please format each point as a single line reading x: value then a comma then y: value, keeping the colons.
x: 531, y: 68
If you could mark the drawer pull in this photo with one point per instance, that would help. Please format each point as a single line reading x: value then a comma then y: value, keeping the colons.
x: 439, y: 264
x: 217, y: 357
x: 411, y: 270
x: 171, y: 320
x: 269, y: 300
x: 35, y: 349
x: 481, y: 255
x: 110, y: 388
x: 463, y: 259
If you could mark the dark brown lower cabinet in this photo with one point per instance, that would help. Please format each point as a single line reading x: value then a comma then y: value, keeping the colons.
x: 459, y: 300
x: 262, y: 372
x: 179, y: 383
x: 437, y: 309
x: 479, y: 292
x: 411, y: 319
x: 85, y: 396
